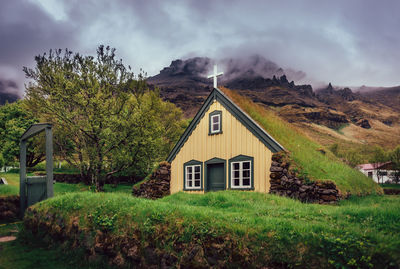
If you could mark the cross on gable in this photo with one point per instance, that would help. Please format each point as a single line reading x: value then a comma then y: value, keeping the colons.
x: 215, y: 75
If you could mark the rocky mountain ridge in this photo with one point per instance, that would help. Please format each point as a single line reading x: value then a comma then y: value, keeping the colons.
x: 184, y: 83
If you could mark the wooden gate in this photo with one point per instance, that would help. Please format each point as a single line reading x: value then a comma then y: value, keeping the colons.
x: 38, y: 188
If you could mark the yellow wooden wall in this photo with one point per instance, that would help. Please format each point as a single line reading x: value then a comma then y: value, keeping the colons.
x: 235, y: 140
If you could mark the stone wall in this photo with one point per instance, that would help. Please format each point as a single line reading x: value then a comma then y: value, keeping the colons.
x: 157, y: 186
x: 286, y: 182
x: 391, y: 191
x: 9, y: 208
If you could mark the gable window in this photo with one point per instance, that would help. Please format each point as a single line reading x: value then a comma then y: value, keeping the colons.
x: 215, y: 124
x: 241, y: 172
x: 193, y: 174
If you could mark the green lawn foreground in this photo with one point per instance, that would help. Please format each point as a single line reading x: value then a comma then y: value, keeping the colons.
x: 255, y: 228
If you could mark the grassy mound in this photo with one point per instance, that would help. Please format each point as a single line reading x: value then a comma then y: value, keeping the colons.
x: 223, y: 229
x: 306, y: 152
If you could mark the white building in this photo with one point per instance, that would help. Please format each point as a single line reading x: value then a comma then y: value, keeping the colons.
x: 379, y: 172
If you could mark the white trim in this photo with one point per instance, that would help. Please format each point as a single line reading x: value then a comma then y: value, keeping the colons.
x: 193, y: 175
x: 241, y: 170
x: 212, y: 123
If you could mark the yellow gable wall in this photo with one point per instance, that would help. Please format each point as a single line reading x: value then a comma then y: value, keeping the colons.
x: 235, y: 140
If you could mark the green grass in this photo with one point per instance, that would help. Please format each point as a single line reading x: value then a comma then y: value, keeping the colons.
x: 305, y: 152
x: 59, y: 188
x: 13, y: 184
x: 390, y: 186
x: 361, y: 231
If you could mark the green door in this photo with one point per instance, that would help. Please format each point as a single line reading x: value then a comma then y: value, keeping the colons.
x: 215, y: 177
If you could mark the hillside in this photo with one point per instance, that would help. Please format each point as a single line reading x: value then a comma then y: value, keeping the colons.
x: 306, y: 152
x: 387, y: 96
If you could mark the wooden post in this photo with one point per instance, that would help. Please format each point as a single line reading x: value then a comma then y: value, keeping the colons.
x: 49, y: 162
x: 22, y: 177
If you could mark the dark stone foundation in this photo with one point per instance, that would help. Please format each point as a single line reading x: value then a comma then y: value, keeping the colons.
x: 286, y: 182
x: 157, y: 186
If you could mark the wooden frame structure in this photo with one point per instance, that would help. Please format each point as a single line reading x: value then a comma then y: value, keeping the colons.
x: 23, y: 179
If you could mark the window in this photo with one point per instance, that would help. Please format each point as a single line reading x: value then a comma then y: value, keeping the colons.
x: 241, y: 174
x: 215, y: 122
x: 193, y: 175
x: 370, y: 174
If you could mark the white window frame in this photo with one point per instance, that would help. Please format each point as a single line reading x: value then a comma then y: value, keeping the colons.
x: 212, y: 123
x: 193, y: 177
x: 240, y: 186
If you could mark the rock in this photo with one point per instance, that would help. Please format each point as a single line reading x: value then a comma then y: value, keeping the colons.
x: 9, y: 208
x: 328, y: 198
x: 275, y: 163
x: 275, y: 175
x: 363, y: 123
x: 275, y: 169
x: 157, y: 186
x: 283, y: 182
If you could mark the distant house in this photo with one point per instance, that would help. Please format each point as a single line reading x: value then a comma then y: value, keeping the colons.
x: 379, y: 172
x: 222, y: 148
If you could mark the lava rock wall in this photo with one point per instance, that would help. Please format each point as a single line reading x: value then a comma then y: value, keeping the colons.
x: 157, y: 186
x: 285, y: 182
x: 9, y: 208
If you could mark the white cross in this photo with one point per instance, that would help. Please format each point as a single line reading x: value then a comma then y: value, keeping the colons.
x: 215, y: 75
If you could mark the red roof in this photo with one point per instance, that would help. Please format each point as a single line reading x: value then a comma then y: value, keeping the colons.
x: 371, y: 166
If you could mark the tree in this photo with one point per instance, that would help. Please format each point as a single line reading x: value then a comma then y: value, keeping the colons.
x: 379, y: 157
x: 2, y: 163
x: 14, y: 120
x: 106, y: 119
x: 394, y: 156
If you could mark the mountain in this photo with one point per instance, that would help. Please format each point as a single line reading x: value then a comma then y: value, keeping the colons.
x: 5, y: 95
x: 387, y: 96
x: 330, y: 114
x: 185, y: 82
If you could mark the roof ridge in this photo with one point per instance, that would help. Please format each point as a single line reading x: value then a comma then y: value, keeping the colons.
x: 237, y: 112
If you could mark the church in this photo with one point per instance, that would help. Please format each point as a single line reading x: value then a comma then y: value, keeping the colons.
x: 223, y: 148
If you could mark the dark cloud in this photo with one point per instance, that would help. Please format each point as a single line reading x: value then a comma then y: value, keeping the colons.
x: 345, y: 42
x: 26, y: 31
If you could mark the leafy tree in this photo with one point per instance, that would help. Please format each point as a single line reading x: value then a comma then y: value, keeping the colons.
x: 106, y: 119
x: 353, y: 157
x: 378, y: 158
x: 394, y: 156
x: 14, y: 120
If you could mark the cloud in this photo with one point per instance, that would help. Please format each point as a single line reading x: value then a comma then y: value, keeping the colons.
x: 343, y: 42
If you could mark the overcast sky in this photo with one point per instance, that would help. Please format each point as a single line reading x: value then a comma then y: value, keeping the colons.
x: 345, y: 42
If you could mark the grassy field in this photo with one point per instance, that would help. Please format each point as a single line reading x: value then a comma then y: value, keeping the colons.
x: 305, y: 151
x: 261, y: 229
x: 59, y: 188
